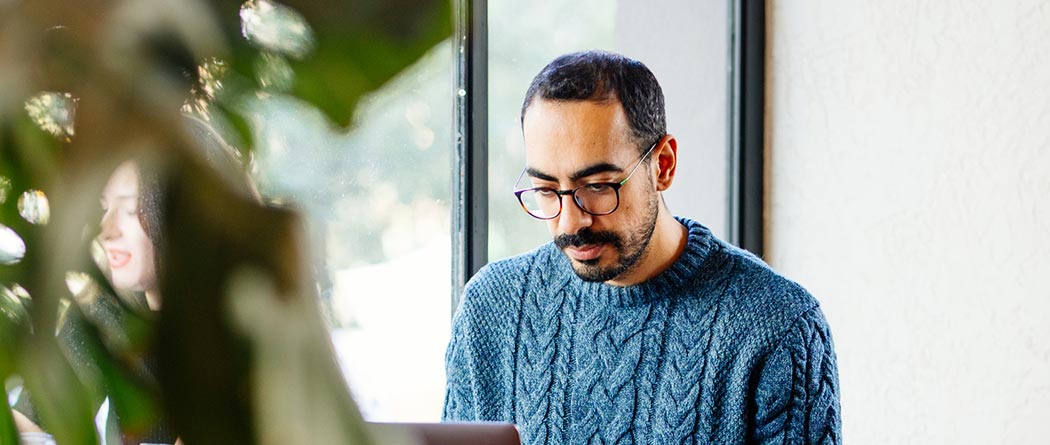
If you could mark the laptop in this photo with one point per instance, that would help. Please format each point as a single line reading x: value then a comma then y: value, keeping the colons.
x: 481, y: 433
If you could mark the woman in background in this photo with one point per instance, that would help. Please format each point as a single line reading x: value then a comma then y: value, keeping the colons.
x: 129, y: 235
x: 128, y: 230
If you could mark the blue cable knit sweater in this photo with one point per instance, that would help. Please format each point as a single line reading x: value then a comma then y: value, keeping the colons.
x: 717, y: 349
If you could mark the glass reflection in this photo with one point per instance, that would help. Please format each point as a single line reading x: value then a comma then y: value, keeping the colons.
x: 54, y: 113
x: 14, y: 303
x: 5, y: 189
x: 34, y: 207
x: 274, y: 72
x: 77, y: 283
x: 12, y: 248
x: 210, y: 76
x: 277, y: 28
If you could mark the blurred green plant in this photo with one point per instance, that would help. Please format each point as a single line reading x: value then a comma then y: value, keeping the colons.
x: 85, y: 85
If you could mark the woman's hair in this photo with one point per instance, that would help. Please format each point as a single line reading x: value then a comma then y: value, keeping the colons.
x: 216, y: 152
x: 150, y: 199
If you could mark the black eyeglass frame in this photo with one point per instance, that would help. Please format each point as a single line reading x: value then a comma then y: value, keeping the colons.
x: 576, y: 200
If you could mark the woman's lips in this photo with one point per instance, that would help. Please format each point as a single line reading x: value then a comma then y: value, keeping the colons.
x: 584, y: 253
x: 118, y: 258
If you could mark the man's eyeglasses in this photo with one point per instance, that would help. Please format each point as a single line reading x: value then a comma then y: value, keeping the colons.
x: 599, y: 198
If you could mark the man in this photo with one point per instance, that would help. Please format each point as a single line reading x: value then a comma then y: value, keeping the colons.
x: 633, y: 326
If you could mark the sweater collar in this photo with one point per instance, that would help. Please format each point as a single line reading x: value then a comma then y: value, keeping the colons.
x: 700, y: 243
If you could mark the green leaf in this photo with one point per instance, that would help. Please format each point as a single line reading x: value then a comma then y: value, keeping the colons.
x: 10, y: 329
x: 207, y: 366
x: 241, y: 127
x: 35, y: 151
x: 8, y: 433
x: 8, y: 343
x: 63, y: 402
x: 360, y: 45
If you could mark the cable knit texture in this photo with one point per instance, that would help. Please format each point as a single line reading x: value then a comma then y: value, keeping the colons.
x: 717, y: 349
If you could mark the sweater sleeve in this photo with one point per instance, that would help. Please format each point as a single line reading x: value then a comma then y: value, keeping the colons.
x: 460, y: 403
x: 479, y: 361
x: 797, y: 397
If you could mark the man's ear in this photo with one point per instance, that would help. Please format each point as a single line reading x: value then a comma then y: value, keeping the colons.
x: 665, y: 156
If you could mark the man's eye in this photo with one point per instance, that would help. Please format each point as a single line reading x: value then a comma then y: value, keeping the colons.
x: 545, y: 192
x: 598, y: 188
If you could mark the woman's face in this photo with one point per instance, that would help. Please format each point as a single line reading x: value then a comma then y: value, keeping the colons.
x: 128, y: 250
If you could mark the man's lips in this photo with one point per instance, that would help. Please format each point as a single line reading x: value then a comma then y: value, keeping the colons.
x: 118, y: 258
x: 585, y: 252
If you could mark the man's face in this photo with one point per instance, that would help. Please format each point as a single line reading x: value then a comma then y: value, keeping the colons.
x: 573, y: 143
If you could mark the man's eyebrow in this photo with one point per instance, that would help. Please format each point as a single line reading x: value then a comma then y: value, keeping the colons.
x: 579, y: 174
x: 539, y: 175
x: 604, y: 167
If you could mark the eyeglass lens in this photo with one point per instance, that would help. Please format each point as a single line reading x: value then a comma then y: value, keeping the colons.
x: 596, y: 199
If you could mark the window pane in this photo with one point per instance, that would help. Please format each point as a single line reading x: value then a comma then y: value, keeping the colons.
x: 376, y: 201
x: 684, y: 42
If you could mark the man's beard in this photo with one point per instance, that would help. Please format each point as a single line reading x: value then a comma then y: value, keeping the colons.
x: 631, y: 247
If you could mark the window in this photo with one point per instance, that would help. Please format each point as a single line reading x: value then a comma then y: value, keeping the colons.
x: 377, y: 204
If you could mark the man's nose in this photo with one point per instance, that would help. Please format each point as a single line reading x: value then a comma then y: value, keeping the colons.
x: 572, y: 217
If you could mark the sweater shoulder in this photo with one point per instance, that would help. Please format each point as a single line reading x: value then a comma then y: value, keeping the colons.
x: 506, y: 274
x: 496, y: 290
x: 762, y: 297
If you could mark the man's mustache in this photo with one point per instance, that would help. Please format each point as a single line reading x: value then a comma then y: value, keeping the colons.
x: 587, y: 236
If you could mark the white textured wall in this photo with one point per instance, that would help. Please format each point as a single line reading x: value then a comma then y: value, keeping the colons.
x: 909, y: 188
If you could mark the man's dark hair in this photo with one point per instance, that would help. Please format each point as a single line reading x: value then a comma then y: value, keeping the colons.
x: 603, y: 76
